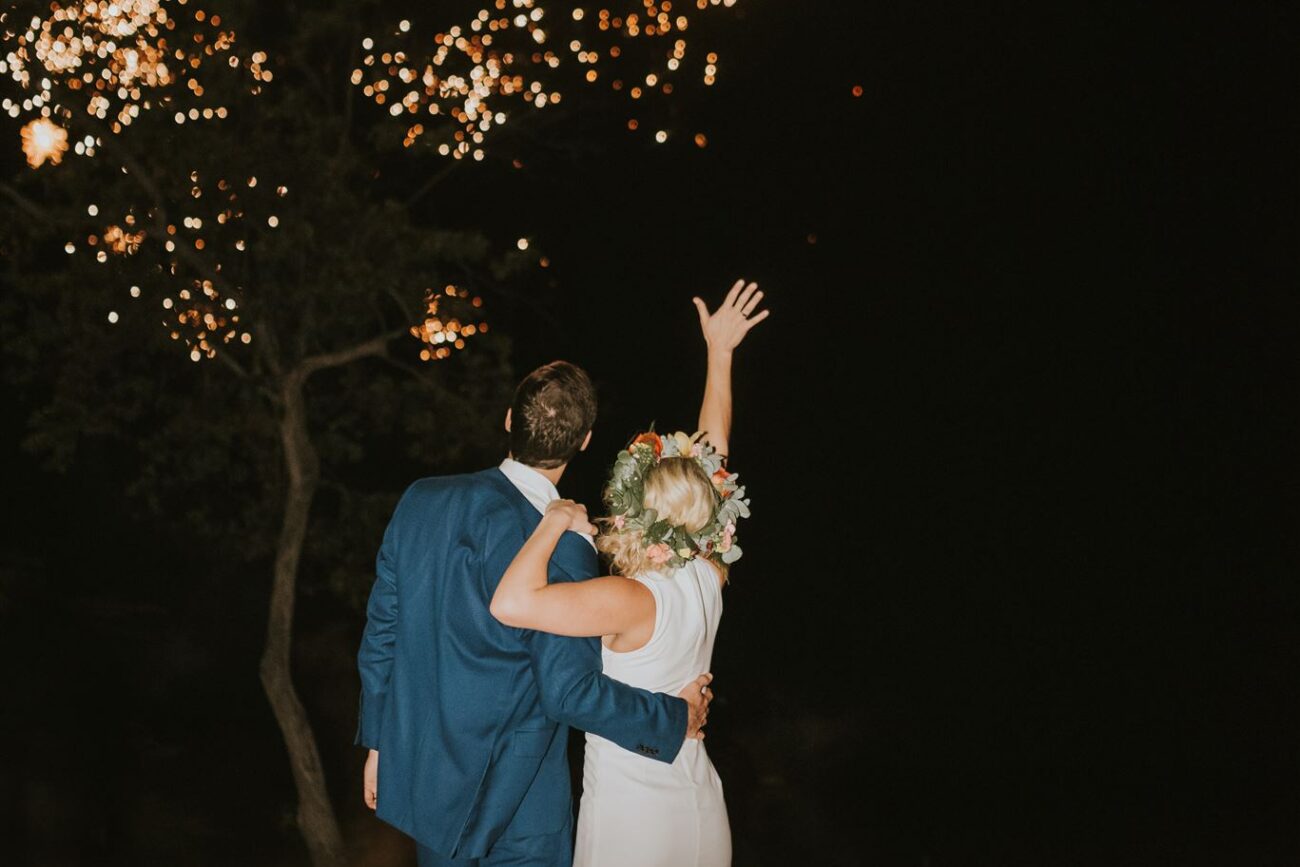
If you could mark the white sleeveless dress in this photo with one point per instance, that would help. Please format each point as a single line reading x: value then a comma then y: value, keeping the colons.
x: 639, y: 812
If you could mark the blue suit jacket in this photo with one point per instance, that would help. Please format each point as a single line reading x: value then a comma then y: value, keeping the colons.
x: 469, y: 716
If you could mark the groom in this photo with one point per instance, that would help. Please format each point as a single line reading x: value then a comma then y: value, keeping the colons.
x: 471, y: 717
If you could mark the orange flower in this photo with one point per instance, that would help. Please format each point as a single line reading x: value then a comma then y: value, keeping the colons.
x: 719, y: 479
x: 650, y: 439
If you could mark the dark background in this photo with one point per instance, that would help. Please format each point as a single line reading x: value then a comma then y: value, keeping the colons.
x: 1019, y: 588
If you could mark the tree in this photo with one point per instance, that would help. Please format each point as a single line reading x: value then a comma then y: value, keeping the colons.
x: 262, y: 205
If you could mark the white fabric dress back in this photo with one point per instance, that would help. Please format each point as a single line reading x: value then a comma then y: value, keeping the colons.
x: 637, y: 811
x: 688, y: 606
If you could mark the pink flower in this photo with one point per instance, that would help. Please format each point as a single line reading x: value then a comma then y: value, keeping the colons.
x: 697, y: 450
x: 659, y: 553
x: 619, y: 522
x: 727, y: 533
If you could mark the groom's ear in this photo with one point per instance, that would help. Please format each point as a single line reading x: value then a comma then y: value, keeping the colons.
x: 582, y: 448
x: 508, y: 423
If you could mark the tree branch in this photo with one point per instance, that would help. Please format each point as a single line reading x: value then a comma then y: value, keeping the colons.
x: 426, y: 379
x: 234, y: 365
x: 433, y: 181
x: 345, y: 130
x: 407, y: 312
x: 27, y: 205
x: 414, y: 372
x: 372, y: 347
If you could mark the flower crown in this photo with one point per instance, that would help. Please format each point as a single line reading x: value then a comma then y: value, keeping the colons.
x: 670, y: 544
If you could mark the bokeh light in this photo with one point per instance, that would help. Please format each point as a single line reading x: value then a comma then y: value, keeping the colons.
x: 450, y: 318
x: 466, y: 82
x: 106, y: 62
x: 44, y: 140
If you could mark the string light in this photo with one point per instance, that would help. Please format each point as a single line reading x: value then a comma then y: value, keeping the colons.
x: 202, y: 315
x: 473, y: 77
x: 447, y: 322
x: 110, y: 60
x: 44, y: 140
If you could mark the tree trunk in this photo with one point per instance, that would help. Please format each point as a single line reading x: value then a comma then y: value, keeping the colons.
x: 316, y: 820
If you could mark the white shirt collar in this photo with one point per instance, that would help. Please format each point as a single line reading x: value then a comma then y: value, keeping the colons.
x: 535, y: 487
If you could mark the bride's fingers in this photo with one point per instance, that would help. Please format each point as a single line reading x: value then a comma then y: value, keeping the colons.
x: 735, y: 290
x: 745, y: 295
x: 752, y: 303
x: 751, y: 322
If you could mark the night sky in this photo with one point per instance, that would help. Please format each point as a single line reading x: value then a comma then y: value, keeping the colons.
x: 1019, y: 585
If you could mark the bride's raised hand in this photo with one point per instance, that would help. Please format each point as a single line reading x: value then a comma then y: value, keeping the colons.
x: 574, y: 516
x: 725, y: 327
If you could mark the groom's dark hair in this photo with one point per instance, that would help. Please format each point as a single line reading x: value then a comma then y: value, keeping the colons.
x: 554, y: 408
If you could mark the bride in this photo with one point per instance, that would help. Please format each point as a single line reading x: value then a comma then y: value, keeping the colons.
x: 671, y: 538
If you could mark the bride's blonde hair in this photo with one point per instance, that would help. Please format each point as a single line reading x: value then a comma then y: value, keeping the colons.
x: 680, y: 493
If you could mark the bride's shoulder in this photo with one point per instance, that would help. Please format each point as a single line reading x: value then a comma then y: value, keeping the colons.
x: 712, y: 570
x: 696, y: 569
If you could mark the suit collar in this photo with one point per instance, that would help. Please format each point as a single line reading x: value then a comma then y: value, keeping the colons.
x: 575, y: 556
x: 536, y: 488
x: 499, y: 481
x: 530, y: 486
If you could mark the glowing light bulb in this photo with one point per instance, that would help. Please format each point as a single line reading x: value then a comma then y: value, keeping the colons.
x: 44, y: 141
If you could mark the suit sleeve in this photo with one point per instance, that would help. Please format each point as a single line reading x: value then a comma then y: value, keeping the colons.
x: 568, y: 673
x: 375, y: 657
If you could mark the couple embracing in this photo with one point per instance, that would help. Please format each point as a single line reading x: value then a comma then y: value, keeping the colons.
x: 488, y: 635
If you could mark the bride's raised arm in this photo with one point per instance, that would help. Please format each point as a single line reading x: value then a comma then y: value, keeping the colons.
x: 601, y: 606
x: 724, y: 329
x: 613, y: 605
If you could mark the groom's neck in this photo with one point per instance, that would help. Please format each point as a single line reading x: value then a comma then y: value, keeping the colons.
x: 552, y: 475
